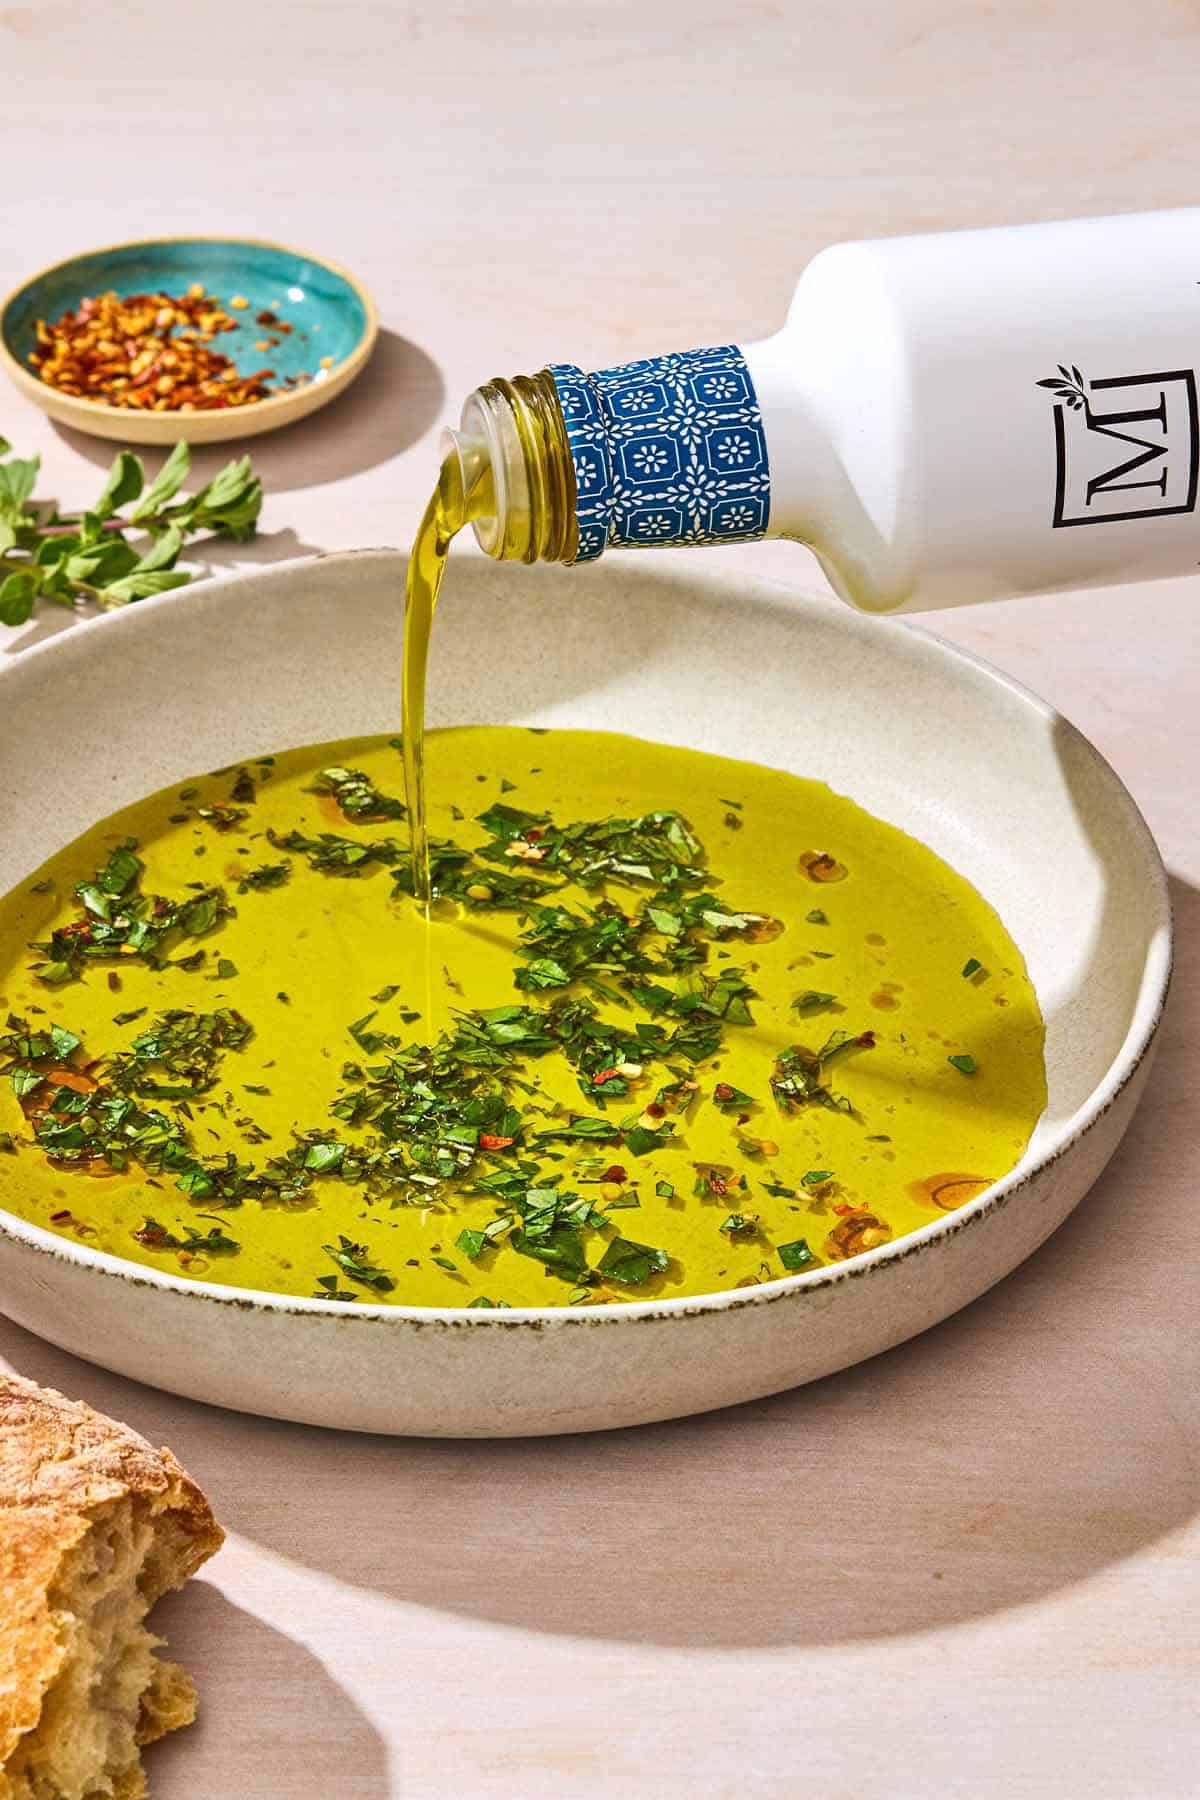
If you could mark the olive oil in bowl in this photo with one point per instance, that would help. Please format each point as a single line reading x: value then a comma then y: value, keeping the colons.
x: 677, y: 1024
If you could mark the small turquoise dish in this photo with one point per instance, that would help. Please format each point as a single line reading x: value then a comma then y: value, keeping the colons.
x: 332, y: 317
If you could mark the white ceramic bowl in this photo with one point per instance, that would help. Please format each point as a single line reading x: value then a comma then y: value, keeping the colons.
x: 986, y: 774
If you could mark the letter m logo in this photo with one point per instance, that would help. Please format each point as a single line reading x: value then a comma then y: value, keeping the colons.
x: 1127, y: 447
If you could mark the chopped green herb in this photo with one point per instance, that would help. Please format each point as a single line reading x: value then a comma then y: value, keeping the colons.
x: 221, y: 815
x: 156, y: 1237
x: 816, y: 1177
x: 328, y: 1288
x: 971, y: 967
x: 799, y: 1073
x: 739, y: 1224
x: 354, y: 1260
x: 731, y: 1099
x: 640, y: 1140
x: 357, y: 795
x: 796, y: 1255
x: 333, y: 855
x: 816, y: 917
x: 178, y: 1057
x: 119, y: 921
x: 371, y: 1041
x: 964, y: 1064
x: 630, y: 1264
x: 266, y: 875
x: 322, y: 1158
x: 558, y: 1248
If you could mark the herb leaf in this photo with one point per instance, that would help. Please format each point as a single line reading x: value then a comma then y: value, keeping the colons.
x: 630, y: 1264
x: 60, y: 558
x: 354, y: 1260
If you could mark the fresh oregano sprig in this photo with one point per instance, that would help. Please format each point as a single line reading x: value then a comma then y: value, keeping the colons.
x: 68, y: 557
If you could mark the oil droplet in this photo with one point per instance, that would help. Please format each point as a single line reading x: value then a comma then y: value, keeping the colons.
x: 873, y: 937
x: 818, y: 865
x: 948, y: 1190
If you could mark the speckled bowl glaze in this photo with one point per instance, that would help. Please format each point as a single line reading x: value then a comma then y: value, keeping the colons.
x: 941, y: 745
x: 332, y: 316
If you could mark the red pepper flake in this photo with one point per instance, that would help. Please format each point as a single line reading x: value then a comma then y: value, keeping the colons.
x: 603, y: 1075
x: 615, y: 1173
x: 489, y: 1141
x: 59, y: 1218
x: 867, y: 1040
x: 723, y: 1091
x: 145, y: 351
x: 843, y: 1208
x: 655, y: 1110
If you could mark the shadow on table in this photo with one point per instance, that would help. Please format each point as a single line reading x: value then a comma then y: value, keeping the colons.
x: 1035, y: 1439
x: 390, y: 406
x: 310, y: 1740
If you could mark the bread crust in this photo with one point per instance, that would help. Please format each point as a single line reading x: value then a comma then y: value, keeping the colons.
x: 59, y: 1463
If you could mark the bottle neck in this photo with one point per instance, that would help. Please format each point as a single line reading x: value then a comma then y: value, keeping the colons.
x: 513, y: 448
x: 667, y: 450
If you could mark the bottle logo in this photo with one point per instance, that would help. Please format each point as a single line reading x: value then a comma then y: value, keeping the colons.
x: 1128, y: 446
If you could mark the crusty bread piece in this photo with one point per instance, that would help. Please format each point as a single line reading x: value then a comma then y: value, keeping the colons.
x: 95, y: 1525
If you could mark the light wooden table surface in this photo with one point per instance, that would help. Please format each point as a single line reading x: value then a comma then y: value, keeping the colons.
x: 968, y: 1568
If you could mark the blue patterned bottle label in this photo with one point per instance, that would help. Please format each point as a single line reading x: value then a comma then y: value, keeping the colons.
x: 668, y: 450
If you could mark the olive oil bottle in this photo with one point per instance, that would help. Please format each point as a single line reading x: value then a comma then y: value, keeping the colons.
x: 943, y: 419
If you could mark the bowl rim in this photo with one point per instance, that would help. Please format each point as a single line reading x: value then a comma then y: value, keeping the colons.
x: 1139, y: 1040
x: 41, y: 393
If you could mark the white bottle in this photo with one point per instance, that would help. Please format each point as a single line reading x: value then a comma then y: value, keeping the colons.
x: 943, y: 419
